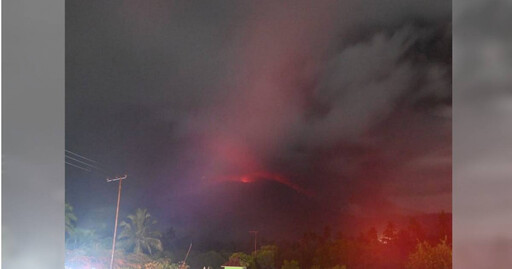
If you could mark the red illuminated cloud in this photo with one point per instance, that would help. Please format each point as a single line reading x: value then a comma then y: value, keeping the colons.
x: 258, y: 176
x: 265, y: 99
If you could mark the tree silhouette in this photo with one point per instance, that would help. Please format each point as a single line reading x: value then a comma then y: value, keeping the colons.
x: 389, y: 233
x: 444, y: 227
x: 416, y: 230
x: 431, y: 257
x: 266, y: 257
x: 70, y: 219
x: 138, y: 234
x: 293, y: 264
x: 168, y: 238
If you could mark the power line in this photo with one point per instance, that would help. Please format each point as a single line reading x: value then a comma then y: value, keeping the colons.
x: 79, y: 167
x: 90, y: 165
x: 76, y: 154
x: 87, y: 168
x: 120, y: 179
x: 97, y: 168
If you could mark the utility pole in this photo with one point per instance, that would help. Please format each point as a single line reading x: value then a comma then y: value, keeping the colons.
x: 183, y: 265
x: 255, y: 239
x: 120, y: 179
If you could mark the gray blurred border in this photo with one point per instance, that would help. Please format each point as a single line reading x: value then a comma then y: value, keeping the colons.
x: 482, y: 134
x: 33, y: 134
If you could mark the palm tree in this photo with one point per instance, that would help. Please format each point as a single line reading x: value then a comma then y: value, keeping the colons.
x: 138, y: 234
x: 70, y: 219
x: 82, y: 238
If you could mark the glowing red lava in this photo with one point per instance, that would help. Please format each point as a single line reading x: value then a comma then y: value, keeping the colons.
x: 250, y: 178
x: 246, y: 180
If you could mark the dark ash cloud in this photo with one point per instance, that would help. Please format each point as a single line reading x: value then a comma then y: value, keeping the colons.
x: 256, y: 113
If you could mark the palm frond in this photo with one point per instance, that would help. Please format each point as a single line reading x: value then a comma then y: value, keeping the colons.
x: 137, y: 232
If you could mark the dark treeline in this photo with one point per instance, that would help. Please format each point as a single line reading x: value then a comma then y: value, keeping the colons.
x: 413, y: 245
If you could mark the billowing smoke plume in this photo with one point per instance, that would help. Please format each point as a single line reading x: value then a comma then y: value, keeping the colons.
x: 276, y: 115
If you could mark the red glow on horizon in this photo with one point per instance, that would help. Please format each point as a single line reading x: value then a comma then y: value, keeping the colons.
x: 258, y: 176
x: 245, y: 180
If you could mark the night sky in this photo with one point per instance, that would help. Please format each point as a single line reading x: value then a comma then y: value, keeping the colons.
x: 279, y: 116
